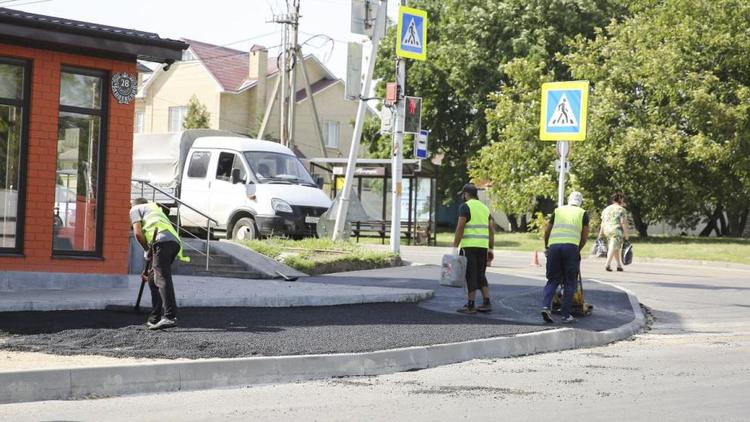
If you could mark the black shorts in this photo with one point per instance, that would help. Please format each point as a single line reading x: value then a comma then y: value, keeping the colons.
x: 476, y: 264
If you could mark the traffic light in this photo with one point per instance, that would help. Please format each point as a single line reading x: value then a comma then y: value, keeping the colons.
x: 412, y: 114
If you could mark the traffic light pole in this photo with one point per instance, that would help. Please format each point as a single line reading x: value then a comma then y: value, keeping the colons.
x: 377, y: 33
x: 398, y: 156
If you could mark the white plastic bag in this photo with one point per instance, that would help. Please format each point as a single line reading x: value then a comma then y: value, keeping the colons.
x: 453, y: 271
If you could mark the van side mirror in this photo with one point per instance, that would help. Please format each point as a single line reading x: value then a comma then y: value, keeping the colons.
x: 235, y: 176
x: 319, y: 181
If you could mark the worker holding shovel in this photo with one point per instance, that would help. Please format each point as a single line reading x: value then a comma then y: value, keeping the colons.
x: 161, y: 245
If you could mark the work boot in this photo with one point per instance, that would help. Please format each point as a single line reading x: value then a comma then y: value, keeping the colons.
x: 152, y: 320
x: 568, y: 319
x: 547, y: 315
x: 164, y: 323
x: 467, y: 309
x: 486, y: 306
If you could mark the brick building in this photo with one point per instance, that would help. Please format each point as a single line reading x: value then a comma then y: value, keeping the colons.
x: 66, y: 130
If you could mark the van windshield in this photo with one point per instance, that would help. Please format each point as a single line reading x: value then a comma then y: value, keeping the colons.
x: 272, y: 167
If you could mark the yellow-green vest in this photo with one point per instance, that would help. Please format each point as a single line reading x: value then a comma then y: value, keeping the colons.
x: 156, y: 219
x: 568, y: 225
x: 477, y: 230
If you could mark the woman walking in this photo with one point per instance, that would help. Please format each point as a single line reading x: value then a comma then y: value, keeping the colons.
x: 615, y: 227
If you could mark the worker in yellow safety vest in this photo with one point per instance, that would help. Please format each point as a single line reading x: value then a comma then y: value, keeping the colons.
x: 475, y: 236
x: 161, y: 244
x: 564, y: 238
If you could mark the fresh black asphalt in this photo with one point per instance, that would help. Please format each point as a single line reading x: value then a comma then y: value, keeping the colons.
x: 245, y: 332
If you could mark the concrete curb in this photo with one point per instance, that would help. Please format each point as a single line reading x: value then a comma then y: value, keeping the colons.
x: 90, y: 382
x: 355, y: 298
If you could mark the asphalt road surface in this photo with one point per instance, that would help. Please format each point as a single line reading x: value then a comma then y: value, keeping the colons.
x: 694, y: 364
x: 246, y: 332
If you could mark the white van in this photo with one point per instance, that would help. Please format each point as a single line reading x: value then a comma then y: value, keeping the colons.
x: 251, y: 187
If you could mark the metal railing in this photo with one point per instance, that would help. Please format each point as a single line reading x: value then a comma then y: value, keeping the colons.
x: 145, y: 182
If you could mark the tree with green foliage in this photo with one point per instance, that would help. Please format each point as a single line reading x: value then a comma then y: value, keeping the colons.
x: 496, y: 56
x: 197, y: 116
x: 469, y: 44
x: 670, y: 113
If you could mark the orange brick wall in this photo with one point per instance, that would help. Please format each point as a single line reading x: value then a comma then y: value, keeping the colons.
x: 41, y: 167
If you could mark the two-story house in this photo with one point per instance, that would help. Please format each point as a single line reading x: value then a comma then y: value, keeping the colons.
x: 236, y: 86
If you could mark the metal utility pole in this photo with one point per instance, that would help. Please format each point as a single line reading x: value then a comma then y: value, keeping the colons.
x: 377, y: 34
x: 282, y: 74
x: 288, y: 20
x: 292, y: 58
x: 398, y: 156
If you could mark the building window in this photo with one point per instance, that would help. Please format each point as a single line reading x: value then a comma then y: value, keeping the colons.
x: 176, y: 117
x: 77, y: 224
x: 332, y: 134
x: 14, y: 94
x: 139, y: 116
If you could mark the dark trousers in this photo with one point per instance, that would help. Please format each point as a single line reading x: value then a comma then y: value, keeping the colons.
x: 163, y: 302
x: 476, y: 267
x: 563, y: 265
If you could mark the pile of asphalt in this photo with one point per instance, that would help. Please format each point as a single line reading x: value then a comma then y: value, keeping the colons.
x: 246, y: 332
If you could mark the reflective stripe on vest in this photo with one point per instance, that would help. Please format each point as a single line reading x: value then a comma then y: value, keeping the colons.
x: 155, y: 219
x: 568, y: 225
x: 477, y: 231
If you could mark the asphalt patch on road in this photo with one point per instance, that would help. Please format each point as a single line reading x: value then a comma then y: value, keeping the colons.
x: 245, y: 332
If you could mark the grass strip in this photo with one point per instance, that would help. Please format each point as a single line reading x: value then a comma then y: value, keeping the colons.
x: 321, y: 256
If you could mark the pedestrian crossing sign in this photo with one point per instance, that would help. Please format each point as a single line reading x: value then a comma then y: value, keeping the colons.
x: 564, y: 111
x: 411, y: 33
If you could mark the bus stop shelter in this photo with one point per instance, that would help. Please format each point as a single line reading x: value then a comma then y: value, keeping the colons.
x: 372, y: 185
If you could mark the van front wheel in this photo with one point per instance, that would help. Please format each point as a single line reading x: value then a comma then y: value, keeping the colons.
x: 244, y: 229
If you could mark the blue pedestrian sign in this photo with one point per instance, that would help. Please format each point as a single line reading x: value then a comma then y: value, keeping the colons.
x: 420, y: 144
x: 411, y: 41
x: 564, y: 111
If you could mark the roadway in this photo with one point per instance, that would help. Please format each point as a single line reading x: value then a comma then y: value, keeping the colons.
x: 693, y: 364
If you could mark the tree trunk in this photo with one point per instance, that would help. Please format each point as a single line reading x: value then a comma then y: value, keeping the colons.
x: 722, y: 224
x: 640, y: 224
x: 736, y: 221
x: 513, y: 223
x: 545, y: 205
x: 524, y: 224
x: 711, y: 224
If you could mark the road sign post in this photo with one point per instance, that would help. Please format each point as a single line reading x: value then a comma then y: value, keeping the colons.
x: 563, y: 119
x: 420, y: 144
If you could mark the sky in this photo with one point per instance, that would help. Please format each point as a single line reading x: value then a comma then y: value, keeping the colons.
x: 233, y: 23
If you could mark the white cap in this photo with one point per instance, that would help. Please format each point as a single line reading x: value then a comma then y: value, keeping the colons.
x: 575, y: 198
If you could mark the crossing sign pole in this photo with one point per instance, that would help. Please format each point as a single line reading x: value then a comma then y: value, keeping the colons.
x: 564, y: 114
x: 411, y: 43
x: 562, y: 147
